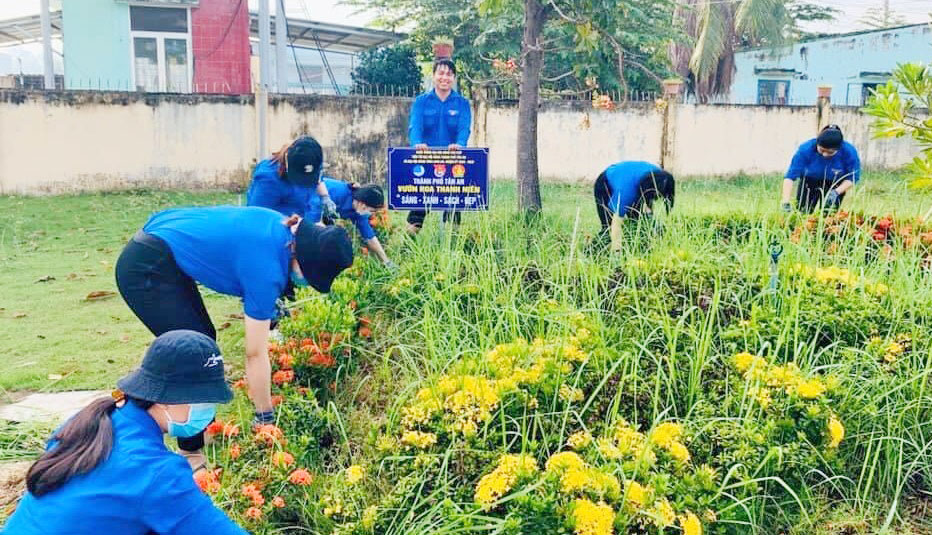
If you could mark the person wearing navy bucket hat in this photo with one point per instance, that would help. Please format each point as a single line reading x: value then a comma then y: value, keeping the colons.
x: 247, y: 252
x: 107, y: 469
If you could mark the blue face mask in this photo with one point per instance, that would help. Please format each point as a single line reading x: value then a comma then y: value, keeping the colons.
x: 199, y: 417
x: 298, y: 280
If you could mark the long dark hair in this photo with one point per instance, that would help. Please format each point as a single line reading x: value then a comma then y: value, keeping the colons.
x: 83, y: 443
x: 657, y: 184
x: 281, y: 156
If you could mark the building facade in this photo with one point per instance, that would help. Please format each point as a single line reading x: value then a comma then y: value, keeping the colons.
x: 177, y: 46
x: 851, y: 64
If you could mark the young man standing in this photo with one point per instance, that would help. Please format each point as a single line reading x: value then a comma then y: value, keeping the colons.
x: 440, y: 118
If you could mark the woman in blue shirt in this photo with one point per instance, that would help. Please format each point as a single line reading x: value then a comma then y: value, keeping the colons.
x: 629, y: 189
x: 826, y: 168
x: 107, y: 470
x: 289, y: 181
x: 440, y: 118
x: 356, y: 203
x: 247, y: 252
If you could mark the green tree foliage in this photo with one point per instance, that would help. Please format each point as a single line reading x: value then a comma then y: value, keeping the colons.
x: 394, y: 66
x: 901, y: 108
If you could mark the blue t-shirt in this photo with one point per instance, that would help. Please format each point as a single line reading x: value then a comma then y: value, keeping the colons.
x: 623, y: 181
x: 141, y: 488
x: 235, y: 250
x: 269, y: 190
x: 808, y: 163
x: 439, y: 123
x: 342, y: 196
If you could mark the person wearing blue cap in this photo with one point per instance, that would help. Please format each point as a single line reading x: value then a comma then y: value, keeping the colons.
x: 247, y: 252
x: 289, y: 182
x: 356, y: 203
x: 628, y: 190
x: 107, y: 470
x: 439, y: 118
x: 825, y: 168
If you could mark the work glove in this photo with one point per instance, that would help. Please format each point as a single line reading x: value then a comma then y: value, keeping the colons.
x: 328, y: 208
x: 391, y: 265
x: 786, y: 207
x: 832, y: 200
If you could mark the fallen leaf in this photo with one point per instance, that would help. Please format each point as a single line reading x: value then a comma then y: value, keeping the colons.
x: 224, y: 325
x: 236, y: 316
x: 46, y: 278
x: 55, y: 377
x: 101, y: 331
x: 99, y: 295
x: 72, y: 276
x: 19, y: 315
x: 125, y: 338
x: 40, y: 337
x: 111, y: 361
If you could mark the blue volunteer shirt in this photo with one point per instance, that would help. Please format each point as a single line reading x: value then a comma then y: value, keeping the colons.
x: 269, y: 190
x: 439, y: 123
x: 623, y: 181
x: 234, y: 250
x: 141, y: 488
x: 342, y: 196
x: 808, y: 163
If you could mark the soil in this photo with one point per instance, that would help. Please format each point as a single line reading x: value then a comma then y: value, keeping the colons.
x: 12, y: 484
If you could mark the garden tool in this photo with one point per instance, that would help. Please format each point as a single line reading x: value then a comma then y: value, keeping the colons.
x: 776, y: 249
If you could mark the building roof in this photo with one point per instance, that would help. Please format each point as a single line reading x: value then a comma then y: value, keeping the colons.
x: 830, y: 37
x: 302, y: 33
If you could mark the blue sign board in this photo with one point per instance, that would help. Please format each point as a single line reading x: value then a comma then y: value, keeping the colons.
x: 438, y: 179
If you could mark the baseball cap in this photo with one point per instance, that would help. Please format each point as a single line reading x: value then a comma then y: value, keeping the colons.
x: 322, y: 252
x: 180, y: 366
x: 305, y: 158
x: 370, y: 195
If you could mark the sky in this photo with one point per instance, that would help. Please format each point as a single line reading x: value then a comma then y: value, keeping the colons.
x: 29, y: 57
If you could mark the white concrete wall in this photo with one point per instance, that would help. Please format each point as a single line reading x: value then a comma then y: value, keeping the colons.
x: 81, y: 141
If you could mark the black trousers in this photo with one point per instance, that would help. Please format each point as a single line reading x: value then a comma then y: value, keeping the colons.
x: 162, y: 296
x: 416, y: 217
x: 811, y: 191
x: 603, y: 195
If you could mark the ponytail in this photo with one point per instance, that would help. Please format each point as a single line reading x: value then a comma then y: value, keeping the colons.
x: 83, y: 443
x: 281, y: 156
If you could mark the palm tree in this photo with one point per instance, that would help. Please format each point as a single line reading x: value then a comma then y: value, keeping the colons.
x: 717, y: 28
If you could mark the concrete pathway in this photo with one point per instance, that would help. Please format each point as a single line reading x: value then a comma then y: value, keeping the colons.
x: 53, y: 408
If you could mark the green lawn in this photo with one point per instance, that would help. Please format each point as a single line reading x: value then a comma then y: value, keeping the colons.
x: 54, y: 251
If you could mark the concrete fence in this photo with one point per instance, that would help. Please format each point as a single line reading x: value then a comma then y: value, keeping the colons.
x: 81, y: 141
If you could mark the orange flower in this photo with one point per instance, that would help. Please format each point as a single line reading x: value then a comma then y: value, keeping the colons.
x: 364, y: 321
x: 230, y: 430
x: 321, y: 359
x: 207, y: 481
x: 285, y: 361
x: 301, y: 477
x: 269, y: 434
x: 283, y: 376
x: 308, y: 344
x: 249, y: 489
x: 278, y: 502
x: 235, y: 451
x: 325, y: 337
x: 365, y: 332
x: 282, y: 458
x: 254, y: 513
x: 274, y: 347
x: 240, y: 384
x: 215, y: 427
x: 277, y: 400
x: 257, y: 499
x: 304, y: 390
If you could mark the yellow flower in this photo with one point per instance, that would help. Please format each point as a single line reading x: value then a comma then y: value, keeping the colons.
x: 679, y: 452
x: 666, y: 434
x: 763, y: 397
x: 836, y: 432
x: 575, y: 480
x: 608, y: 449
x: 690, y: 524
x: 386, y: 444
x: 811, y: 389
x: 369, y: 516
x: 635, y: 495
x: 570, y: 394
x: 579, y: 440
x: 593, y: 519
x: 418, y: 439
x: 354, y: 474
x: 743, y: 361
x: 663, y: 513
x: 573, y: 353
x: 495, y: 484
x: 783, y: 376
x: 565, y: 460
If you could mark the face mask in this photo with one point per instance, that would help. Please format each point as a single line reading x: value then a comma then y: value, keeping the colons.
x: 298, y: 280
x: 365, y: 212
x: 199, y: 417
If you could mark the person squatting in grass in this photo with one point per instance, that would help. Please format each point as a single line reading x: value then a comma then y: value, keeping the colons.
x: 247, y: 252
x: 289, y: 181
x: 629, y: 189
x: 107, y: 470
x: 356, y: 203
x: 440, y: 118
x: 826, y: 168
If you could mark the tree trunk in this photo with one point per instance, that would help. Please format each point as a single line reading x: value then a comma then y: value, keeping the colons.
x: 535, y: 15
